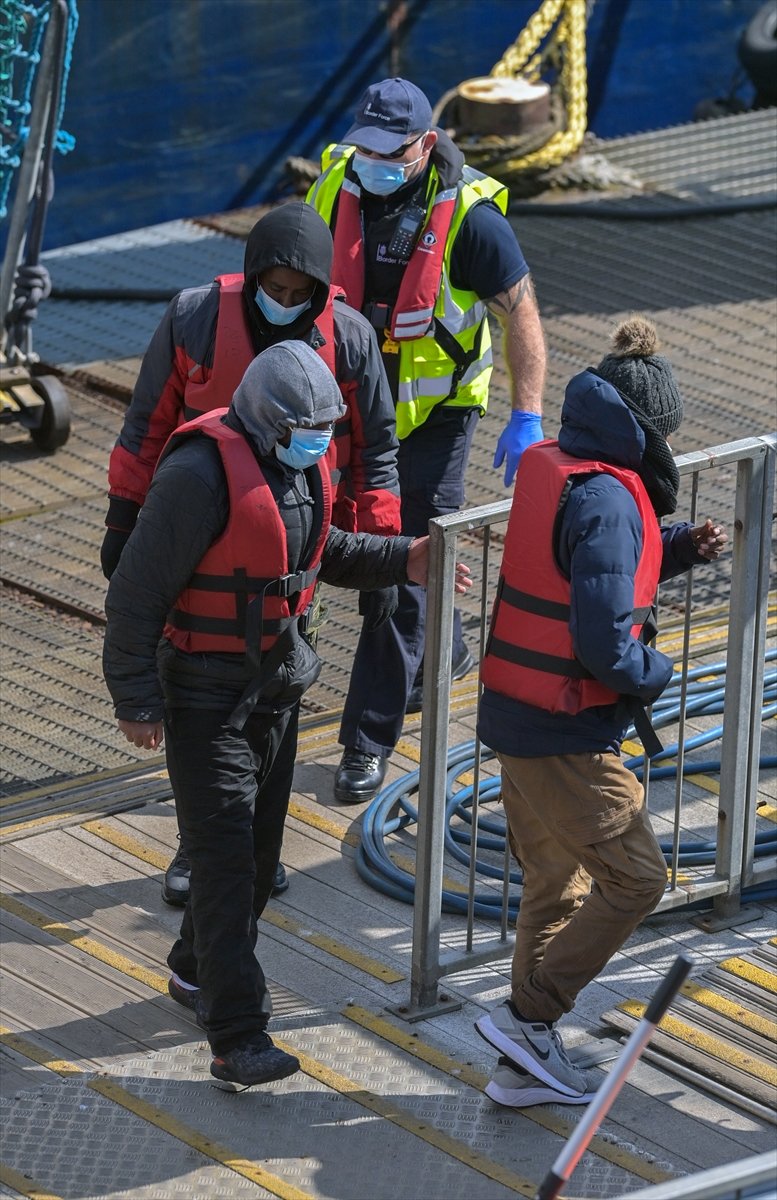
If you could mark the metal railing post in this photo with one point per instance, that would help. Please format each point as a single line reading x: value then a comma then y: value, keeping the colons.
x: 425, y: 970
x: 736, y: 780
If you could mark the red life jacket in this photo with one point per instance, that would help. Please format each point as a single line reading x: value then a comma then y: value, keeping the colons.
x: 232, y: 353
x: 234, y: 350
x: 413, y: 313
x: 242, y: 596
x: 529, y: 654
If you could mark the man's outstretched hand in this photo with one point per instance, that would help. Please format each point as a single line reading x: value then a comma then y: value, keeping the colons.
x: 418, y: 567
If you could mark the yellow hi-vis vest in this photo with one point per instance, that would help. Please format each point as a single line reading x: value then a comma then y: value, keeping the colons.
x: 428, y: 374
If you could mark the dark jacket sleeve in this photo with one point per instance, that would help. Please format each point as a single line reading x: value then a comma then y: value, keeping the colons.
x: 679, y: 550
x: 166, y: 545
x: 181, y: 347
x: 373, y: 481
x: 600, y: 545
x: 364, y: 561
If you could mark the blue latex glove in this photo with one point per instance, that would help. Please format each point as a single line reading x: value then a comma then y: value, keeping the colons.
x: 522, y: 430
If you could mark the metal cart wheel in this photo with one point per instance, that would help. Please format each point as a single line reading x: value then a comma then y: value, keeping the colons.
x: 54, y: 428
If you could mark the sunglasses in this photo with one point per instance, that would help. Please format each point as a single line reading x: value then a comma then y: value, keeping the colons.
x: 395, y: 154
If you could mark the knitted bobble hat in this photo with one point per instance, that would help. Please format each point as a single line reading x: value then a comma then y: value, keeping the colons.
x: 643, y: 376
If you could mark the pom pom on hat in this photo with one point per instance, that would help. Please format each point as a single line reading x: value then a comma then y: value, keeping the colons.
x: 642, y: 375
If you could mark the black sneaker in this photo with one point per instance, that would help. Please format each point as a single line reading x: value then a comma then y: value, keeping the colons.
x: 186, y: 997
x: 257, y: 1061
x: 459, y: 669
x: 280, y: 882
x: 175, y: 888
x: 359, y: 776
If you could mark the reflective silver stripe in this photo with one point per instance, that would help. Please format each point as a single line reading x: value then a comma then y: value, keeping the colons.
x: 450, y: 194
x: 413, y: 318
x: 408, y: 332
x: 353, y: 188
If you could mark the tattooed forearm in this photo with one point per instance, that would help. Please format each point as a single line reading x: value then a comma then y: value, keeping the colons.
x: 506, y: 302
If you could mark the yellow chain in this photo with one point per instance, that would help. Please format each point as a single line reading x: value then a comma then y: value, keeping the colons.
x: 522, y: 58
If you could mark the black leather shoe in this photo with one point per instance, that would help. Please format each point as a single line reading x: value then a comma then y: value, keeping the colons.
x: 359, y: 776
x: 175, y: 889
x: 458, y: 671
x: 280, y: 881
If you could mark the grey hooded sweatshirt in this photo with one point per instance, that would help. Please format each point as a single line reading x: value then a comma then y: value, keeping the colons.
x: 186, y: 510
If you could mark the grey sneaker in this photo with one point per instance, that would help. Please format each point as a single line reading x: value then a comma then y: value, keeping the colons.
x: 533, y: 1045
x: 513, y: 1087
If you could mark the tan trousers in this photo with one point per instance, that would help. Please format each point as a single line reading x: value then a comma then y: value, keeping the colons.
x: 592, y: 869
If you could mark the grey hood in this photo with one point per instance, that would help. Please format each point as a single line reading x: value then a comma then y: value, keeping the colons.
x: 287, y: 385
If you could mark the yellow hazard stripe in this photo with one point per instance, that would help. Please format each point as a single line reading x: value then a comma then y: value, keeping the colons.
x: 728, y: 1008
x: 24, y: 1185
x: 751, y: 973
x: 466, y: 1074
x: 383, y: 1107
x: 323, y: 824
x: 708, y: 1044
x: 363, y: 962
x: 156, y: 1116
x: 419, y: 1127
x: 767, y: 811
x: 84, y: 943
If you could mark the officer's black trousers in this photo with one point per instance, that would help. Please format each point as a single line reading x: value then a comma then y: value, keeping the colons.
x: 431, y: 463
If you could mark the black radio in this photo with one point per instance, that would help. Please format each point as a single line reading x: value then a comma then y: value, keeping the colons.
x: 406, y: 233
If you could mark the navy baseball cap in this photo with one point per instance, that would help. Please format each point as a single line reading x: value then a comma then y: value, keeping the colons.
x: 387, y: 114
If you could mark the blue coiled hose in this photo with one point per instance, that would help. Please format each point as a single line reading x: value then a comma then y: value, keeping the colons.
x: 392, y: 809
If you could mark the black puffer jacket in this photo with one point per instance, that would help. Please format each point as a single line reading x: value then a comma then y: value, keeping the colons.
x: 167, y: 544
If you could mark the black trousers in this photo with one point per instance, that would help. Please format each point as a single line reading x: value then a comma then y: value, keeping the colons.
x: 231, y: 796
x: 432, y: 462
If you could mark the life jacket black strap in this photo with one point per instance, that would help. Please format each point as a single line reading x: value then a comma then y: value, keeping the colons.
x: 552, y: 664
x: 463, y: 359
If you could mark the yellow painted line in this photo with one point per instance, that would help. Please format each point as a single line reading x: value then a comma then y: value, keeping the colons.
x: 752, y: 974
x: 370, y: 966
x: 80, y: 781
x: 409, y: 750
x: 408, y: 864
x: 703, y: 781
x: 411, y: 1044
x: 158, y: 1117
x: 333, y: 828
x: 713, y: 1047
x: 728, y: 1008
x: 86, y: 945
x: 768, y: 811
x: 24, y: 1185
x: 363, y: 962
x: 8, y: 831
x: 390, y: 1111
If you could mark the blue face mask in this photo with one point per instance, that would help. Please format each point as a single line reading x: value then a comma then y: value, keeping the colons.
x: 275, y: 313
x: 378, y: 178
x: 305, y: 447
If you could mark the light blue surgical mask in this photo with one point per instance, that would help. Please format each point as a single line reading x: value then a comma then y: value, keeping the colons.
x: 275, y: 313
x: 378, y: 178
x: 305, y: 447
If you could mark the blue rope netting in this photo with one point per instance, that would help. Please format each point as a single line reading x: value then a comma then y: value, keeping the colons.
x: 22, y: 26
